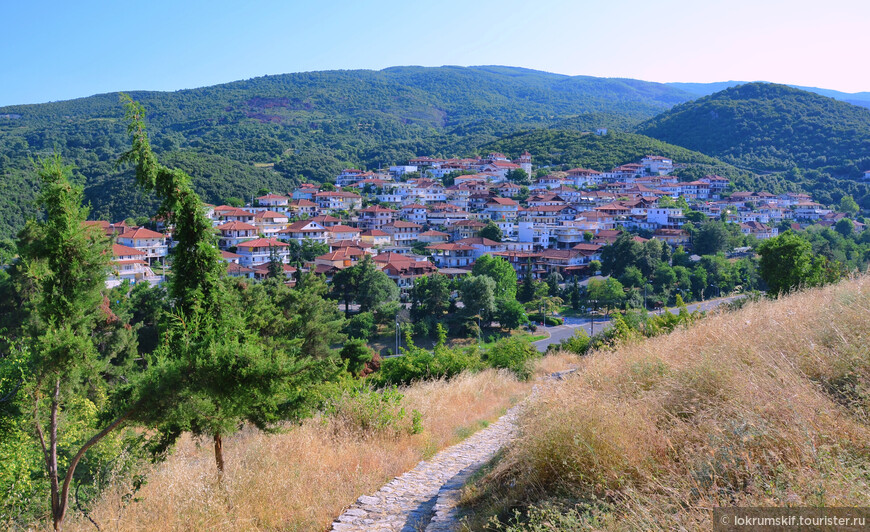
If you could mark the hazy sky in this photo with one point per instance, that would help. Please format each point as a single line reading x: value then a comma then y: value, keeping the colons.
x: 55, y: 50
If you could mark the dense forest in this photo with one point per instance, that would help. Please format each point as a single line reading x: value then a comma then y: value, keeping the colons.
x: 766, y: 127
x: 274, y: 131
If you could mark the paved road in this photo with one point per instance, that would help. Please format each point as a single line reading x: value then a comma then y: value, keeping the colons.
x: 563, y: 332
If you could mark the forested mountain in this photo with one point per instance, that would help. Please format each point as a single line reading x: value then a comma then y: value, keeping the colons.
x: 769, y: 127
x: 276, y: 130
x: 705, y: 89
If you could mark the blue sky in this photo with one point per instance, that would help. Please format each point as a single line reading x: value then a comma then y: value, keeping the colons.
x: 56, y: 50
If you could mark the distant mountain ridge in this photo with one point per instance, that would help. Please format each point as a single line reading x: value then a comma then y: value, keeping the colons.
x: 768, y: 127
x: 705, y: 89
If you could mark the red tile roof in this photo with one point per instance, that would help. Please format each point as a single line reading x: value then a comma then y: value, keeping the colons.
x: 119, y: 250
x: 141, y: 233
x: 262, y: 243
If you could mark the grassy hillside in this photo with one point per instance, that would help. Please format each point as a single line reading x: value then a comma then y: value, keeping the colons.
x: 768, y: 127
x: 303, y: 478
x: 307, y: 125
x: 766, y: 406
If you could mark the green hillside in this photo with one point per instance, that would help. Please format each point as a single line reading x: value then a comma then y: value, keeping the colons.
x: 276, y: 130
x: 557, y: 147
x: 861, y: 99
x: 769, y: 127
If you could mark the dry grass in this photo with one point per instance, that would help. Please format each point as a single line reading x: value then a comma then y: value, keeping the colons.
x: 767, y: 406
x: 554, y: 363
x: 304, y: 478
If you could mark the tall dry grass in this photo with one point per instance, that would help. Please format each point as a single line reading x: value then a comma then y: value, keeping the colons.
x: 767, y: 406
x: 303, y: 478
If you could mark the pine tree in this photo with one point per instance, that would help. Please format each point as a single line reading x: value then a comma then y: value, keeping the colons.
x: 527, y: 289
x: 64, y: 265
x: 211, y: 374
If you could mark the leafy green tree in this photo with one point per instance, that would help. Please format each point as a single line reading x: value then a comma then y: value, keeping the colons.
x: 430, y: 297
x: 361, y: 326
x: 478, y: 296
x: 624, y: 252
x: 681, y: 258
x: 510, y: 313
x: 607, y: 293
x: 695, y: 217
x: 720, y: 272
x: 711, y: 238
x: 523, y: 194
x: 514, y: 354
x: 632, y: 277
x: 787, y: 264
x: 345, y: 284
x: 70, y: 355
x: 501, y: 272
x: 848, y: 205
x: 699, y: 282
x: 491, y: 231
x: 307, y: 251
x: 519, y: 176
x: 664, y: 278
x: 356, y: 355
x: 575, y: 294
x: 845, y: 227
x: 374, y: 288
x: 276, y: 265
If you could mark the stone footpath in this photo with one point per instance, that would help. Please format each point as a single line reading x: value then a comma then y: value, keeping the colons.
x: 426, y: 498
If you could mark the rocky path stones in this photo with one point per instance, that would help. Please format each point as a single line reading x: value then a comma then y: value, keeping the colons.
x: 425, y: 498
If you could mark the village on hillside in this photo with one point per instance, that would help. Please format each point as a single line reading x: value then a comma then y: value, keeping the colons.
x: 440, y: 215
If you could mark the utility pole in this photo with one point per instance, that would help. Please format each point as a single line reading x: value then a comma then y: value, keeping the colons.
x: 397, y: 334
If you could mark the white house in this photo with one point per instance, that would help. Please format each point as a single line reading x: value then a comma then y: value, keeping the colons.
x: 259, y: 251
x: 234, y: 233
x: 152, y: 243
x: 304, y: 230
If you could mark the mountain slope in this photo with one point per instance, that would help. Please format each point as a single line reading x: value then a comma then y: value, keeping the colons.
x: 275, y: 130
x: 553, y: 147
x: 767, y: 127
x: 705, y: 89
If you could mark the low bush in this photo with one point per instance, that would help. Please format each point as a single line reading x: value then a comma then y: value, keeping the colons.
x: 577, y: 344
x: 513, y: 354
x: 366, y: 413
x: 417, y: 364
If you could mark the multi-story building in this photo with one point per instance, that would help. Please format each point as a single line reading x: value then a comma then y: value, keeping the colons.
x: 376, y: 217
x: 152, y: 243
x: 234, y: 233
x: 259, y: 251
x: 403, y: 233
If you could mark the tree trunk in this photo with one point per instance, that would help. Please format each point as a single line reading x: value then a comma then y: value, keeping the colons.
x: 219, y: 453
x: 56, y: 506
